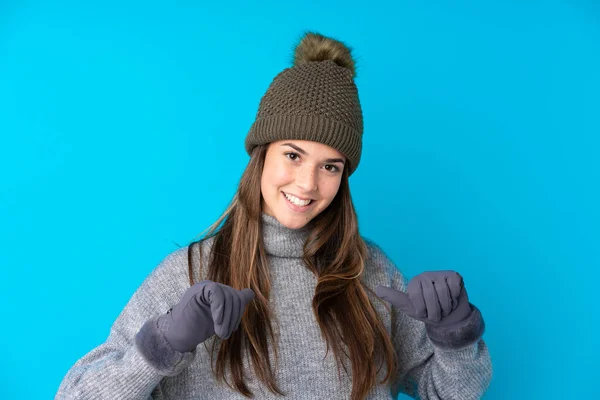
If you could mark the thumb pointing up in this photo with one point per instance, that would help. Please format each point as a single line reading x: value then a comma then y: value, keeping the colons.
x: 397, y: 298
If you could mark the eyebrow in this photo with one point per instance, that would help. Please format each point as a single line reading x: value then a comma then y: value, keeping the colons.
x: 302, y: 151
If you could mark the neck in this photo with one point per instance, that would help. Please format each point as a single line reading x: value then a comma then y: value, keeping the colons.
x: 281, y: 241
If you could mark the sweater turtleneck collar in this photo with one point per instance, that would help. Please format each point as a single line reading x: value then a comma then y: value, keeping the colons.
x: 281, y: 241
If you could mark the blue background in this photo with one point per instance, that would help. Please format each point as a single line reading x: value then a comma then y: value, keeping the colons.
x: 122, y: 129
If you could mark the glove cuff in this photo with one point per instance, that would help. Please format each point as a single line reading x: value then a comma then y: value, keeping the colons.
x: 460, y: 334
x: 153, y: 346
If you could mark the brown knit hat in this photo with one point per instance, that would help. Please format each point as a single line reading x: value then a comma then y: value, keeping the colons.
x: 316, y: 99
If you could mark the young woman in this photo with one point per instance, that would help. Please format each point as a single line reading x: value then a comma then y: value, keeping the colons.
x: 283, y: 293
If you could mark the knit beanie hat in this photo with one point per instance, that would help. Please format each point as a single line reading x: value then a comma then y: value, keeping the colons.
x: 315, y: 99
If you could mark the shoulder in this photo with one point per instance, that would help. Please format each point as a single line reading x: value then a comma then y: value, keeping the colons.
x: 170, y: 277
x: 376, y: 253
x: 377, y: 258
x: 174, y: 266
x: 169, y: 272
x: 380, y: 268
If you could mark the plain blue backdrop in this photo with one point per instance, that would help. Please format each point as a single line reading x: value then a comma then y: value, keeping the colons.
x: 122, y: 128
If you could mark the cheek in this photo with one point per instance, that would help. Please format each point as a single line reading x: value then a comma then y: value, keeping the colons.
x: 279, y: 176
x: 274, y: 176
x: 329, y: 188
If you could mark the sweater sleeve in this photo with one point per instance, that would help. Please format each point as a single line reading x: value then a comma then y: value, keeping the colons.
x: 118, y: 368
x: 426, y: 370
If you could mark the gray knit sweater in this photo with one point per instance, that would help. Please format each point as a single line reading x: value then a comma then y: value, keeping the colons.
x: 117, y: 369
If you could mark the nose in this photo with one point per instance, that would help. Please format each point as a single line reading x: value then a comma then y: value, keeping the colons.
x: 306, y: 179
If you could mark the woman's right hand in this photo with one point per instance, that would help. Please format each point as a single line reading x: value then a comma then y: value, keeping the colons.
x: 205, y: 309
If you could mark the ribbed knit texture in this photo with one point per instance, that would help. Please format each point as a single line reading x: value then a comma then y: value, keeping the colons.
x: 316, y: 101
x: 116, y: 369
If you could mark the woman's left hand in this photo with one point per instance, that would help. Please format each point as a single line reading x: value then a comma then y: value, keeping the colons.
x: 438, y: 298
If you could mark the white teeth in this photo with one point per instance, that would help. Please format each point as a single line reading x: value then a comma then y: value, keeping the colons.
x: 296, y: 200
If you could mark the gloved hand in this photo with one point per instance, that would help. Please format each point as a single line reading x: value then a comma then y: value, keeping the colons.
x: 437, y: 298
x: 204, y: 309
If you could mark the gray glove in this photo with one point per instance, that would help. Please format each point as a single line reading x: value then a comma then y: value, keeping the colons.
x: 434, y: 297
x: 205, y: 309
x: 439, y: 299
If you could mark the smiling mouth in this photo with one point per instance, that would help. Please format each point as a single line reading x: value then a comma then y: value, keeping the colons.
x: 297, y: 201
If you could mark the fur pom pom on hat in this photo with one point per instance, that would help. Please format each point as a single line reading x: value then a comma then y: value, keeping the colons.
x: 316, y: 99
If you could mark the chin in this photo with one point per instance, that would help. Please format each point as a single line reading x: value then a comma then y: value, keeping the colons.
x: 293, y: 222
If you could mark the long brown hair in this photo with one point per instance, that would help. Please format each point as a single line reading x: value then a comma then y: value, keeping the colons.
x: 334, y: 252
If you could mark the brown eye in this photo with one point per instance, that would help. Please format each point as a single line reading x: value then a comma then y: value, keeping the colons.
x: 292, y: 156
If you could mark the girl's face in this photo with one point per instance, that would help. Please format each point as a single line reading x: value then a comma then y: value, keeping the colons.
x: 296, y: 171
